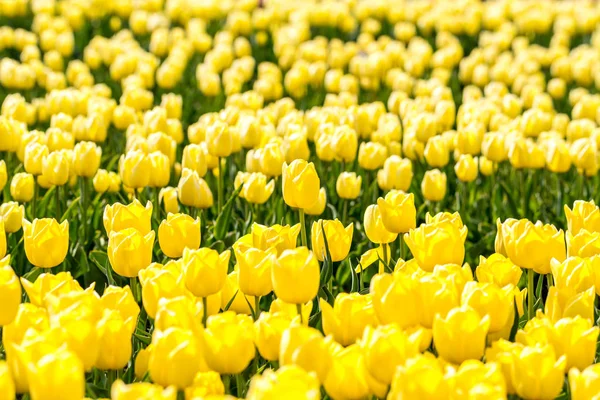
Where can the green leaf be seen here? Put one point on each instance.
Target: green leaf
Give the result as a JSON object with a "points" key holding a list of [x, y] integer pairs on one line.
{"points": [[355, 282], [327, 270], [100, 258], [224, 218], [74, 204], [230, 302], [511, 200]]}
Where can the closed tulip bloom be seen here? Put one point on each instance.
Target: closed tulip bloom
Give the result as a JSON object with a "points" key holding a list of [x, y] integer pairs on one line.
{"points": [[160, 170], [263, 237], [101, 181], [300, 184], [474, 378], [584, 215], [57, 375], [348, 185], [10, 292], [584, 244], [232, 295], [396, 174], [574, 273], [141, 390], [56, 167], [115, 340], [385, 347], [289, 380], [118, 217], [296, 276], [371, 155], [256, 190], [584, 384], [339, 239], [433, 185], [12, 214], [141, 362], [421, 377], [532, 246], [584, 154], [168, 197], [183, 312], [375, 228], [228, 342], [461, 335], [466, 168], [499, 270], [48, 283], [564, 303], [219, 139], [319, 206], [129, 251], [7, 386], [163, 143], [120, 299], [254, 271], [393, 291], [295, 146], [159, 284], [435, 296], [558, 158], [348, 377], [3, 174], [489, 299], [291, 310], [268, 329], [307, 348], [134, 169], [194, 158], [537, 373], [205, 270], [34, 158], [175, 358], [21, 187], [437, 244], [2, 239], [398, 212], [493, 147], [345, 143], [436, 152], [193, 190], [46, 242], [271, 159], [87, 159], [348, 318], [178, 232]]}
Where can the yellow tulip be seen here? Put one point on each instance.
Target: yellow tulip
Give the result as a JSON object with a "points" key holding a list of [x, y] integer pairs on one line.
{"points": [[205, 270], [296, 276], [219, 139], [194, 158], [263, 237], [12, 214], [563, 303], [120, 299], [396, 174], [585, 215], [46, 242], [178, 232], [436, 152], [86, 160], [584, 384], [118, 217], [175, 358], [133, 169], [533, 246], [466, 168], [374, 226], [271, 159], [255, 267], [574, 274], [286, 381], [168, 197], [348, 185], [256, 190], [268, 329], [421, 377], [584, 244], [160, 170], [474, 378], [371, 155], [10, 295], [461, 335], [115, 340], [157, 284], [207, 384], [348, 318], [536, 373], [7, 386], [141, 390], [193, 191], [228, 342], [34, 158], [489, 299], [499, 270], [433, 185], [398, 212], [58, 374], [300, 184], [339, 239], [307, 348], [435, 296], [129, 251], [390, 292], [21, 187], [291, 310]]}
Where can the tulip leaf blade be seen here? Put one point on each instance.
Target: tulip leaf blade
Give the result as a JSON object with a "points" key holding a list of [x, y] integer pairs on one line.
{"points": [[224, 218], [511, 200], [355, 283], [327, 271], [230, 302], [100, 258]]}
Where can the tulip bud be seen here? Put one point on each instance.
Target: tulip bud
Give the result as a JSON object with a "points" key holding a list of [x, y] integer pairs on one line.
{"points": [[193, 190], [118, 217], [256, 190], [133, 169], [499, 270], [430, 244], [396, 174], [271, 159], [21, 187], [219, 139], [433, 185], [374, 227], [205, 270], [56, 168], [268, 329], [115, 340], [585, 215], [319, 206], [120, 299], [229, 342], [177, 232], [254, 271], [168, 197], [584, 384], [159, 283], [371, 155], [348, 185], [436, 152], [541, 382], [141, 390], [87, 159], [10, 293], [466, 168], [3, 174], [101, 181], [129, 251], [35, 153], [12, 214], [46, 242], [305, 347], [288, 378], [57, 374], [194, 158], [398, 212], [348, 318], [7, 386], [296, 276], [160, 170], [300, 184], [339, 239]]}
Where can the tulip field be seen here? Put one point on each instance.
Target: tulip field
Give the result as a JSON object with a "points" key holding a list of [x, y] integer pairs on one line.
{"points": [[312, 199]]}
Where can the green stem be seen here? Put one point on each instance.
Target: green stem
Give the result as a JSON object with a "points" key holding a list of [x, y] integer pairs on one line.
{"points": [[205, 315], [344, 210], [240, 383], [530, 295], [256, 307], [384, 246], [550, 279], [34, 201], [57, 201], [523, 194], [156, 207], [303, 228], [401, 247], [83, 204], [299, 309], [133, 282], [220, 187], [226, 383], [111, 377], [493, 205]]}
